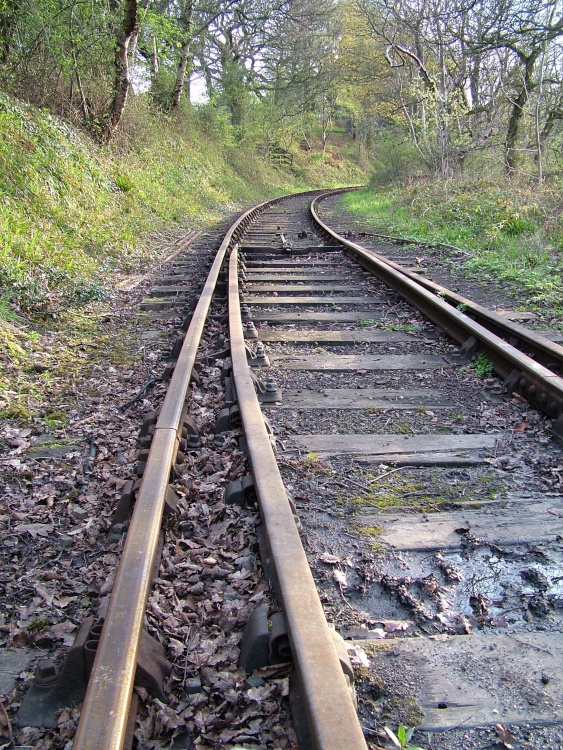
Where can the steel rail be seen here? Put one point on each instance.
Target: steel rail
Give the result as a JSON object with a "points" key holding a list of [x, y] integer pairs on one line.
{"points": [[331, 716], [543, 350], [538, 383], [104, 717]]}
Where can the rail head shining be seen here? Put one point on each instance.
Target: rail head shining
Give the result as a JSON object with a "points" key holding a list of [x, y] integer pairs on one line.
{"points": [[505, 357], [331, 716], [104, 716]]}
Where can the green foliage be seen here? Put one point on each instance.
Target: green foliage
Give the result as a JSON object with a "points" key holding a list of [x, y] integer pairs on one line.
{"points": [[513, 231], [402, 738], [60, 55], [72, 215], [124, 183], [483, 366], [214, 122], [311, 458], [395, 161]]}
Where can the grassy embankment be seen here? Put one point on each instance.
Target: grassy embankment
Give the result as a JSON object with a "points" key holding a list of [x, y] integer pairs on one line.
{"points": [[75, 217], [513, 232]]}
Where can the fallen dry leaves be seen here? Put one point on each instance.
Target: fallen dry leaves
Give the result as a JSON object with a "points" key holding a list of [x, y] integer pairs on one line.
{"points": [[57, 564]]}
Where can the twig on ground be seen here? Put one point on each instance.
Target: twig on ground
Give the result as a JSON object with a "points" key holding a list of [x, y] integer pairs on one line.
{"points": [[8, 723], [136, 398]]}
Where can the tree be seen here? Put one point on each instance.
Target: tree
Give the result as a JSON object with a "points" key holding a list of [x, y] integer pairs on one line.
{"points": [[421, 49], [465, 69], [300, 67], [122, 80]]}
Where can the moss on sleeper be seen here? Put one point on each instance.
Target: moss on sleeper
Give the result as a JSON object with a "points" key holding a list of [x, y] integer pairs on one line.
{"points": [[433, 493]]}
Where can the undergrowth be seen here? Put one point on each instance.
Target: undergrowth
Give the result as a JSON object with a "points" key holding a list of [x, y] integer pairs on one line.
{"points": [[512, 231], [72, 214], [75, 217]]}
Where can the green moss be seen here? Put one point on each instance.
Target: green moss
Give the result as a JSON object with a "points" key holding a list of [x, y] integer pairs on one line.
{"points": [[16, 410], [378, 549], [486, 478], [369, 530], [48, 444], [55, 417], [372, 648], [407, 708], [432, 494], [36, 626]]}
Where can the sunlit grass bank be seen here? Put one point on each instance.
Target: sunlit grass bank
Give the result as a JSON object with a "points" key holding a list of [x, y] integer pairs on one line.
{"points": [[513, 233]]}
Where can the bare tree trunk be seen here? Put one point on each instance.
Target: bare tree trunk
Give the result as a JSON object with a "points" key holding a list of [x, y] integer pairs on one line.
{"points": [[143, 5], [326, 122], [518, 104], [121, 81], [155, 65], [83, 100], [552, 117], [8, 16], [184, 58], [180, 76], [442, 108]]}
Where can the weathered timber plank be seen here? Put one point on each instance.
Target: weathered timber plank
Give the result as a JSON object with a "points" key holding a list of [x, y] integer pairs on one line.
{"points": [[12, 663], [478, 680], [326, 362], [519, 523], [446, 458], [334, 445], [294, 316], [177, 280], [170, 291], [517, 315], [160, 303], [361, 335], [300, 288], [296, 250], [277, 301], [283, 276], [364, 398], [264, 266]]}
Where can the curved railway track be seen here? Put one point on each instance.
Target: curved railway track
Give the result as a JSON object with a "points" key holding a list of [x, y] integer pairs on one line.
{"points": [[415, 486]]}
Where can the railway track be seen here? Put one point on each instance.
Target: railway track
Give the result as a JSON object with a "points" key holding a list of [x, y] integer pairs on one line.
{"points": [[418, 502]]}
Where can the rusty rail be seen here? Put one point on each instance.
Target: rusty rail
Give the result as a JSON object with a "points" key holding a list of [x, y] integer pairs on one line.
{"points": [[539, 384], [103, 721], [543, 350], [331, 716], [104, 718]]}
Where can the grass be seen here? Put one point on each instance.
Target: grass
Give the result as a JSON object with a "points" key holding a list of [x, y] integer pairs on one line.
{"points": [[512, 232], [402, 737], [432, 494], [483, 366], [75, 218], [72, 214]]}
